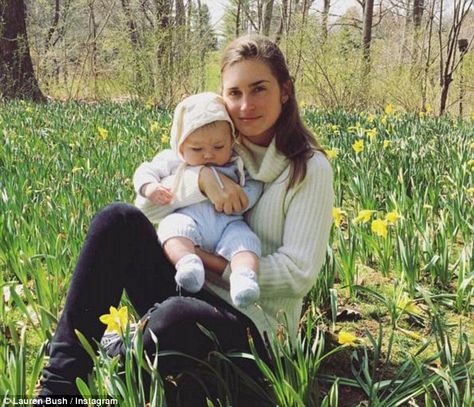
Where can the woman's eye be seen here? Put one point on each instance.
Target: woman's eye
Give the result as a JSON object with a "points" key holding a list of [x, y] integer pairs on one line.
{"points": [[259, 89], [233, 93]]}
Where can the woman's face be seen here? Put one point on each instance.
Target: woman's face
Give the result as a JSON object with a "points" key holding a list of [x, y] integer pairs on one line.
{"points": [[254, 99]]}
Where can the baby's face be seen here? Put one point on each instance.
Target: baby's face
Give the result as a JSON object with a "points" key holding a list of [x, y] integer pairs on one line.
{"points": [[208, 145]]}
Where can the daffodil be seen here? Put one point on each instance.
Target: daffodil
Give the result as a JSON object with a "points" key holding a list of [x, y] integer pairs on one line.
{"points": [[346, 338], [470, 191], [154, 126], [388, 109], [408, 305], [331, 153], [379, 227], [103, 133], [421, 115], [164, 139], [116, 321], [335, 128], [370, 118], [302, 104], [386, 144], [428, 108], [338, 214], [371, 134], [392, 217], [357, 128], [358, 146], [470, 163], [364, 216]]}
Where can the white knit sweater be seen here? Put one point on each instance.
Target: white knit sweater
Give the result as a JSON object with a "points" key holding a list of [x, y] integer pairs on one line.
{"points": [[293, 227]]}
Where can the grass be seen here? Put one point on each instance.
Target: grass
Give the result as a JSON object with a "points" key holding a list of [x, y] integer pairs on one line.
{"points": [[404, 289]]}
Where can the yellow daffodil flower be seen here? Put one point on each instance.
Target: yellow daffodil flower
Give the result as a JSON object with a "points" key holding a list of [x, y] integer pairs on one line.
{"points": [[371, 134], [358, 146], [346, 338], [103, 133], [379, 227], [116, 321], [386, 144], [388, 109], [334, 128], [421, 115], [364, 216], [154, 126], [164, 139], [428, 108], [302, 104], [370, 118], [357, 128], [470, 191], [407, 304], [392, 217], [338, 214], [331, 153]]}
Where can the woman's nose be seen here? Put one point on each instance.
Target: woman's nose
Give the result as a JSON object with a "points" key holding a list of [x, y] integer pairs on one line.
{"points": [[246, 103]]}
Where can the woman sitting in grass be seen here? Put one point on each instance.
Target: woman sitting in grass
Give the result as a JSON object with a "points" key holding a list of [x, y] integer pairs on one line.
{"points": [[292, 218]]}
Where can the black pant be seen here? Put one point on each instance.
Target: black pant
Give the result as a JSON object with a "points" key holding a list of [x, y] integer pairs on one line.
{"points": [[121, 251]]}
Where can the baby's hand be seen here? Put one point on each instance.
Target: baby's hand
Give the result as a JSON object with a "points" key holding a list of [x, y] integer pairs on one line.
{"points": [[157, 193]]}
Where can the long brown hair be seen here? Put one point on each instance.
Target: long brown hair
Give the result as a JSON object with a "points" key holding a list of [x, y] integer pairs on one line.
{"points": [[292, 138]]}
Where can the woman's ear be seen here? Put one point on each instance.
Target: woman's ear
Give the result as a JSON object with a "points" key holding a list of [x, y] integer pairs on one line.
{"points": [[285, 92]]}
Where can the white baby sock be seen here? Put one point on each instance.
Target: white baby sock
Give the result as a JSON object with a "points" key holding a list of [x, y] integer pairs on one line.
{"points": [[244, 289], [190, 273]]}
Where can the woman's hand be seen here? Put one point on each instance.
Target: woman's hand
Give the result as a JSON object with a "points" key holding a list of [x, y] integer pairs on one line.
{"points": [[231, 199], [212, 262]]}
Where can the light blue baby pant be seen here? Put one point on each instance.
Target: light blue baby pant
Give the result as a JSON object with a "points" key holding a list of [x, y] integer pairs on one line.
{"points": [[214, 232]]}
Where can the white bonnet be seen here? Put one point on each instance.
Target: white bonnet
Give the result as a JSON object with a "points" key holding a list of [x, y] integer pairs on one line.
{"points": [[196, 111]]}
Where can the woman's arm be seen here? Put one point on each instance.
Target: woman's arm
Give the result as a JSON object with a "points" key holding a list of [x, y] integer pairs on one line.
{"points": [[197, 184], [292, 269], [212, 262]]}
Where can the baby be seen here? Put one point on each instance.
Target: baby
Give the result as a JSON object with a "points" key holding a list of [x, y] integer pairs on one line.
{"points": [[203, 134]]}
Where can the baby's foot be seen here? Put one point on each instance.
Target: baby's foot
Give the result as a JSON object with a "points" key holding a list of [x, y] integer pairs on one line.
{"points": [[190, 273], [244, 289]]}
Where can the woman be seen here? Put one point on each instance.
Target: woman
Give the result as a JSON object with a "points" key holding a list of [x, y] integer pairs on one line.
{"points": [[292, 219]]}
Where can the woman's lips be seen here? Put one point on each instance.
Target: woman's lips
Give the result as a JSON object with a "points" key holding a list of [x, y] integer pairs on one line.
{"points": [[248, 119]]}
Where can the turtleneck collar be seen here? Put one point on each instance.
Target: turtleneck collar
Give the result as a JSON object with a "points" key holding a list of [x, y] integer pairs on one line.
{"points": [[262, 163]]}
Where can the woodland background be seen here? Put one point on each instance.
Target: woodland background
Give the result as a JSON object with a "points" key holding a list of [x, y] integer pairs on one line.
{"points": [[415, 54]]}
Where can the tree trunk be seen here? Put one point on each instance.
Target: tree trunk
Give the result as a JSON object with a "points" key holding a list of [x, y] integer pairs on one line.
{"points": [[237, 18], [418, 6], [367, 29], [326, 7], [17, 77], [283, 20], [267, 17], [180, 13]]}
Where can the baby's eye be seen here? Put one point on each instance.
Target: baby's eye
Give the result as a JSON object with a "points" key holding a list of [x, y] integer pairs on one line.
{"points": [[196, 149], [218, 147]]}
